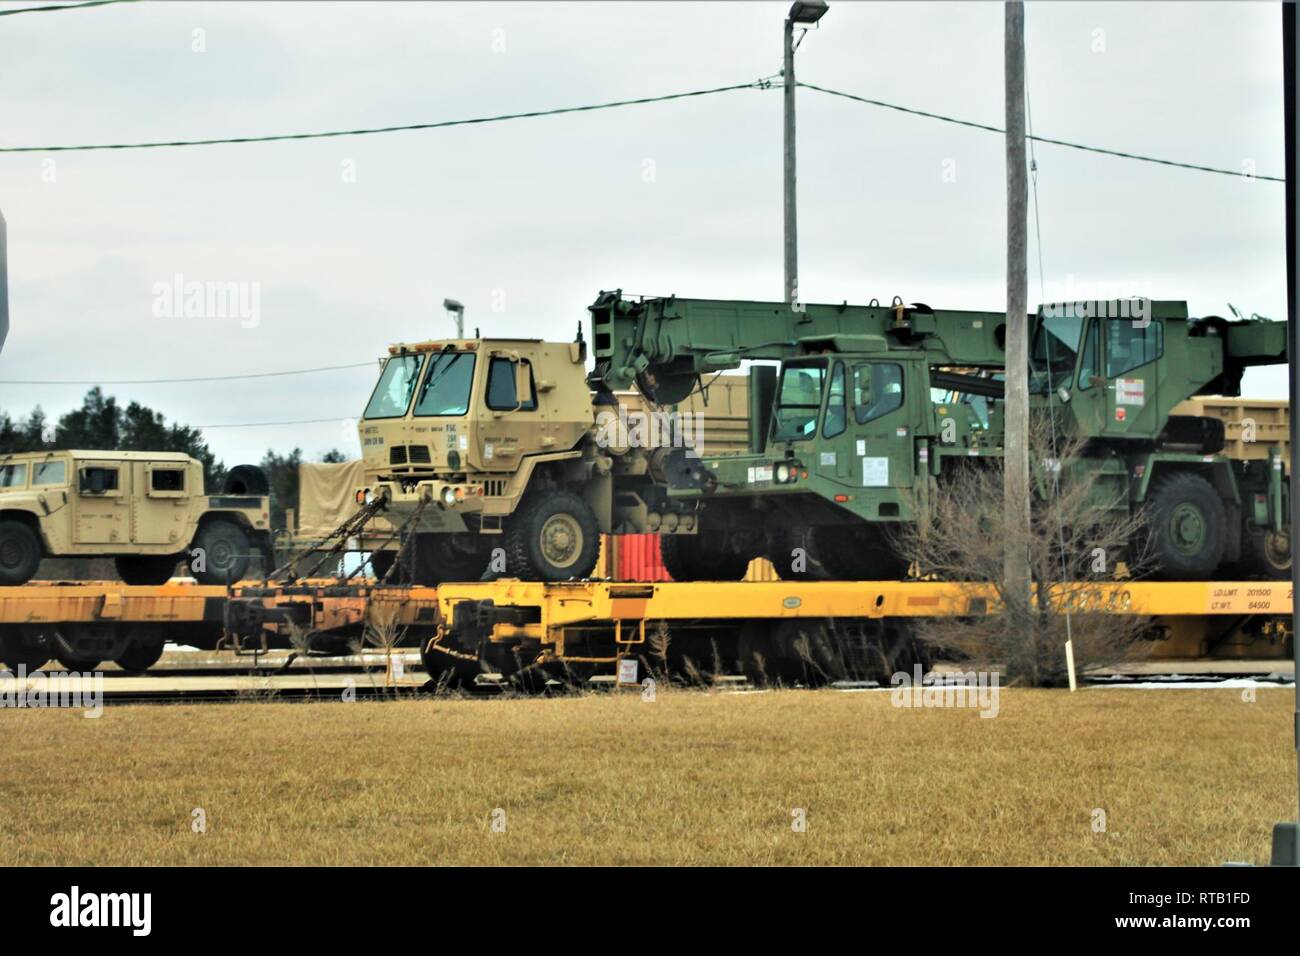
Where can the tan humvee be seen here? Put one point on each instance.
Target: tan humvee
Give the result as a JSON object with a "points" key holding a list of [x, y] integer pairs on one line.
{"points": [[511, 465], [145, 509]]}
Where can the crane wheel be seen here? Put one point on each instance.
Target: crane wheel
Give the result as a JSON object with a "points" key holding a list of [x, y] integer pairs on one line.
{"points": [[701, 557], [1187, 528]]}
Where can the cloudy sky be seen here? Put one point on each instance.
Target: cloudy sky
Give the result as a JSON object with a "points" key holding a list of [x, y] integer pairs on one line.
{"points": [[352, 243]]}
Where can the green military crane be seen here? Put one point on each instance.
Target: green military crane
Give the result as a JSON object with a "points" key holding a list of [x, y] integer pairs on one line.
{"points": [[872, 406]]}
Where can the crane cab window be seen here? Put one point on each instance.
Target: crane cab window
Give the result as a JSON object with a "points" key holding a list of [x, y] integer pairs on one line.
{"points": [[877, 390], [799, 401], [1130, 345], [836, 413], [501, 395]]}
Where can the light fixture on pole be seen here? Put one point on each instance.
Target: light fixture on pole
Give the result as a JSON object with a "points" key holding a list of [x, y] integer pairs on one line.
{"points": [[458, 313], [803, 13]]}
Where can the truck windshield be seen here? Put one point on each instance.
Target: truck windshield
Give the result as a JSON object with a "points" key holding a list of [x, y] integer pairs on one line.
{"points": [[798, 401], [446, 387], [1054, 350], [396, 383]]}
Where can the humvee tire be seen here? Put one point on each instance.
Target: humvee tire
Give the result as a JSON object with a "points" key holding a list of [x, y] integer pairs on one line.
{"points": [[226, 552], [1188, 528], [553, 537], [20, 553], [146, 568], [700, 557]]}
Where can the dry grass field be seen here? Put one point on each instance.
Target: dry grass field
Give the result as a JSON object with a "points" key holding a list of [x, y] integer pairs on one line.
{"points": [[1183, 776]]}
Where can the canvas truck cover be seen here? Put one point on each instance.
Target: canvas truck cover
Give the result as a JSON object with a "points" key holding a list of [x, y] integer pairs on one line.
{"points": [[326, 495]]}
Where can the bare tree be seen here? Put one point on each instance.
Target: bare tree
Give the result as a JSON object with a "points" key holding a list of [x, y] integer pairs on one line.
{"points": [[1081, 534]]}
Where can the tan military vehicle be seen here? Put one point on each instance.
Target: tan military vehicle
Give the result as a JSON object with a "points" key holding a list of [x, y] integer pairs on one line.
{"points": [[147, 510], [494, 455]]}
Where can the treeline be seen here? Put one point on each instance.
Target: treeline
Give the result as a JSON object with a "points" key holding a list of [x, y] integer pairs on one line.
{"points": [[101, 423]]}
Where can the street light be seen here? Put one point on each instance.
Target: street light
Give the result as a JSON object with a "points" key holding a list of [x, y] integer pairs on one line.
{"points": [[804, 13], [458, 313]]}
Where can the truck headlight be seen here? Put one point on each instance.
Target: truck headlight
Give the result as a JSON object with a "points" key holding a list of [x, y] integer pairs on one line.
{"points": [[449, 496]]}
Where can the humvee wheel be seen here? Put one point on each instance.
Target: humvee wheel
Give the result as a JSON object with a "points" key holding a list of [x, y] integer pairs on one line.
{"points": [[226, 552], [20, 553], [146, 568], [1188, 528], [1269, 553], [141, 654], [554, 537], [701, 557]]}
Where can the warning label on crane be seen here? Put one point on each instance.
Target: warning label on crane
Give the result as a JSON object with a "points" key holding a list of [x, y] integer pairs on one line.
{"points": [[1130, 391]]}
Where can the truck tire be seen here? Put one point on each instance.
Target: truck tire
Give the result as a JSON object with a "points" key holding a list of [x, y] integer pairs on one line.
{"points": [[1187, 528], [381, 562], [862, 553], [1268, 553], [701, 557], [146, 568], [20, 553], [23, 644], [226, 552], [553, 537], [440, 558]]}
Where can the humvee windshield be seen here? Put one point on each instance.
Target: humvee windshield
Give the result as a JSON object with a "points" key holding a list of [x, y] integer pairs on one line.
{"points": [[13, 476], [799, 399], [446, 386], [396, 383]]}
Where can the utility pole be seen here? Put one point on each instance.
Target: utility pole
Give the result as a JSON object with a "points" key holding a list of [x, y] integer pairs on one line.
{"points": [[1286, 836], [1016, 452], [806, 13]]}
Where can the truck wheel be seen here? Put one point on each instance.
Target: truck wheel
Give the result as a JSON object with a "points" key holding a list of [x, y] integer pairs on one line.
{"points": [[1187, 528], [79, 664], [141, 654], [226, 552], [146, 568], [701, 557], [554, 537], [20, 553], [23, 644], [381, 562], [861, 553], [439, 558], [1269, 553]]}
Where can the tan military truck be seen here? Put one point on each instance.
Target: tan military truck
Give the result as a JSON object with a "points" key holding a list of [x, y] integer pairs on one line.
{"points": [[147, 510], [497, 457]]}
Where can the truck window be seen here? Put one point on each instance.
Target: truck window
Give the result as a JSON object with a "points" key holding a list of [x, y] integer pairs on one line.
{"points": [[877, 390], [1130, 345], [1088, 367], [799, 400], [396, 383], [1055, 348], [50, 473], [446, 385], [836, 414], [501, 387], [13, 476], [97, 481], [167, 479]]}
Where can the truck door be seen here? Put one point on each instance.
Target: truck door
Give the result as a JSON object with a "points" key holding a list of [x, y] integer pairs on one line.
{"points": [[160, 504], [509, 427], [1130, 349], [102, 502], [881, 427]]}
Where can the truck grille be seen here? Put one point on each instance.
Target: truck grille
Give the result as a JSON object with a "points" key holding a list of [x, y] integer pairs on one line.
{"points": [[415, 454], [419, 454]]}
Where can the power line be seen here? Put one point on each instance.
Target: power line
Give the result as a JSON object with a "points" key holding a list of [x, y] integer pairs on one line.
{"points": [[1042, 139], [301, 421], [62, 6], [443, 124], [177, 381]]}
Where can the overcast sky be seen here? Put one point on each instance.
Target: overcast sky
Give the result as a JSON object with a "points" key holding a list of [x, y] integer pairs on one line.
{"points": [[526, 221]]}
